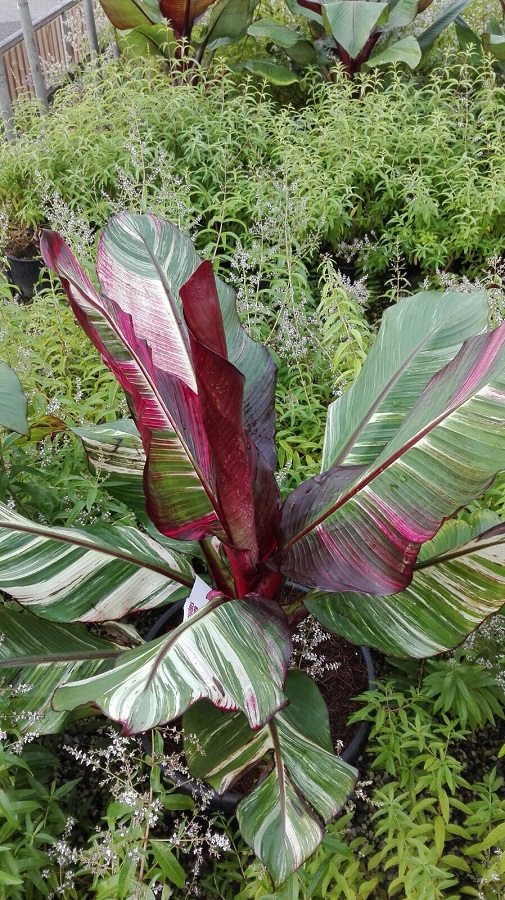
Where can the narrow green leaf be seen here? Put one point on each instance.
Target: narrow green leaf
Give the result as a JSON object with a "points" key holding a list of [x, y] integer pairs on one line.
{"points": [[168, 863], [13, 403], [446, 17]]}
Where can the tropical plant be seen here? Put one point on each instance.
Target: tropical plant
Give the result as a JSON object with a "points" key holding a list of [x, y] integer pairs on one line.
{"points": [[355, 33], [491, 41], [164, 28], [417, 436]]}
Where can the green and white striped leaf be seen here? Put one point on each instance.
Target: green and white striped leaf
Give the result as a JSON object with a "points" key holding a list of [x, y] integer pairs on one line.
{"points": [[141, 258], [351, 22], [432, 327], [282, 818], [405, 51], [87, 574], [232, 652], [13, 404], [116, 448], [458, 582], [36, 657]]}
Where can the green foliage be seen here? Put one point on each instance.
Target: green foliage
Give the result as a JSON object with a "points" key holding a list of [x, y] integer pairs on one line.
{"points": [[430, 832], [415, 168], [46, 475]]}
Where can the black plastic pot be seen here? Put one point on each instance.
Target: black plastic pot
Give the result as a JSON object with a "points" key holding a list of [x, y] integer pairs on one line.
{"points": [[24, 274], [227, 803]]}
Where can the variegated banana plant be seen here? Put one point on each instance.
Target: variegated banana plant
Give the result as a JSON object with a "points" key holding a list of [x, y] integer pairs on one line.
{"points": [[357, 33], [419, 435], [164, 28]]}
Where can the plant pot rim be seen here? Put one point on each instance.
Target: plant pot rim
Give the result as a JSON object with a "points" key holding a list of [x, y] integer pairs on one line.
{"points": [[227, 803]]}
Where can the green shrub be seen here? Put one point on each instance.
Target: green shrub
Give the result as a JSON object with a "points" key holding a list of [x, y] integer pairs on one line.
{"points": [[411, 168]]}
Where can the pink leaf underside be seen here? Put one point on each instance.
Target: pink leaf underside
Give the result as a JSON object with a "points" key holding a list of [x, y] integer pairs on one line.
{"points": [[357, 528], [221, 394], [167, 410], [252, 487], [202, 310]]}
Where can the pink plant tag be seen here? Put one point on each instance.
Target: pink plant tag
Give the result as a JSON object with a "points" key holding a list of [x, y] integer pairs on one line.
{"points": [[196, 599]]}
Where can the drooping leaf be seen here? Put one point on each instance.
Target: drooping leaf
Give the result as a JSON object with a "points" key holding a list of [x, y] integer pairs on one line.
{"points": [[458, 581], [115, 449], [148, 40], [87, 574], [232, 652], [31, 641], [274, 31], [311, 9], [303, 53], [361, 528], [130, 13], [13, 403], [446, 17], [406, 51], [433, 327], [283, 817], [351, 22], [37, 656], [468, 40], [268, 70]]}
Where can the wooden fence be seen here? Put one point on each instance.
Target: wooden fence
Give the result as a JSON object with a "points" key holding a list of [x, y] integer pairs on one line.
{"points": [[37, 59], [61, 42]]}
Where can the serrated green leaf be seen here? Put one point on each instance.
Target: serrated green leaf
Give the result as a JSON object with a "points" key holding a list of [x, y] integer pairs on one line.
{"points": [[168, 863]]}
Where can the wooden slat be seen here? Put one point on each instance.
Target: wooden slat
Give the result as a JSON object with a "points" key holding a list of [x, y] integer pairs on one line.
{"points": [[55, 52]]}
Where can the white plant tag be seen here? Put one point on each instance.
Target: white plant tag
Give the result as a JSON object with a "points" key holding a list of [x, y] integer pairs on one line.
{"points": [[196, 599]]}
